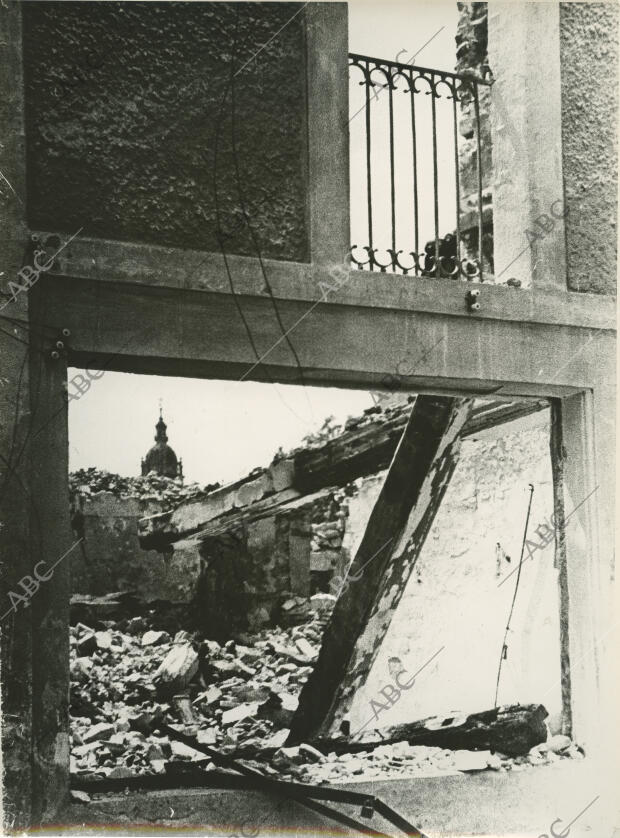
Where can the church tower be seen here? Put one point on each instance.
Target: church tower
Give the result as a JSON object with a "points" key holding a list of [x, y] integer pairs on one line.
{"points": [[161, 458]]}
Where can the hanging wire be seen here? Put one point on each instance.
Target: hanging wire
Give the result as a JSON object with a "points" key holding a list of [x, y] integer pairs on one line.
{"points": [[504, 651]]}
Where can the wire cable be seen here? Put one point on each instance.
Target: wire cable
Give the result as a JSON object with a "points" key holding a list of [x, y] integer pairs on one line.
{"points": [[514, 597]]}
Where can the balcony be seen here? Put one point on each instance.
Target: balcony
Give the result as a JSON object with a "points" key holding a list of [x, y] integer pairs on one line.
{"points": [[420, 171]]}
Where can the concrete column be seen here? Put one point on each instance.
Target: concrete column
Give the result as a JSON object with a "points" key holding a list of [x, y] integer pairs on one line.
{"points": [[16, 500], [526, 130], [593, 623], [53, 542], [328, 133]]}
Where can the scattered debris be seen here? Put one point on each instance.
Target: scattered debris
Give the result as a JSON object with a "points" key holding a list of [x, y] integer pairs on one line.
{"points": [[150, 487], [238, 695], [239, 698]]}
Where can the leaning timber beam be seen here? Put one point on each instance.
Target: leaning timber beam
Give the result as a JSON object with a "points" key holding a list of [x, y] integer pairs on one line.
{"points": [[399, 522]]}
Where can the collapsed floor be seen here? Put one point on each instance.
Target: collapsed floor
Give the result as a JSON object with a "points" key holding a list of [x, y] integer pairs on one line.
{"points": [[239, 698]]}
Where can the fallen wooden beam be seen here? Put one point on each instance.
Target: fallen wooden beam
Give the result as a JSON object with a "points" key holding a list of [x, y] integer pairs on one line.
{"points": [[399, 522], [510, 729]]}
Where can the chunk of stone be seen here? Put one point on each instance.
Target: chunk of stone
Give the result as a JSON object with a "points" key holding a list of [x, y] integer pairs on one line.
{"points": [[322, 602], [84, 750], [120, 773], [225, 668], [278, 739], [155, 638], [558, 743], [284, 757], [87, 644], [236, 714], [154, 752], [103, 639], [207, 736], [288, 701], [305, 648], [210, 696], [311, 754], [181, 751], [99, 731]]}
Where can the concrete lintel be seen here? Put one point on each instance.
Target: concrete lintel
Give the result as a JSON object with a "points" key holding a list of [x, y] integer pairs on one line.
{"points": [[138, 329], [165, 267]]}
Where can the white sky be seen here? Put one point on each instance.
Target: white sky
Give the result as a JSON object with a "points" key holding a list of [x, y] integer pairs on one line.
{"points": [[224, 429], [221, 429]]}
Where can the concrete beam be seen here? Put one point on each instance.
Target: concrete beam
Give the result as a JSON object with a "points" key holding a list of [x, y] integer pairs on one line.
{"points": [[144, 329], [172, 268]]}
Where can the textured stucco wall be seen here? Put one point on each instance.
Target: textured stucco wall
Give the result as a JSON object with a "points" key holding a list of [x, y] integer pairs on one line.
{"points": [[589, 67], [454, 598], [129, 152]]}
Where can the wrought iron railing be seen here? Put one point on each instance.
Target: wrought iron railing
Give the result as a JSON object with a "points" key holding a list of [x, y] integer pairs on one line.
{"points": [[423, 205]]}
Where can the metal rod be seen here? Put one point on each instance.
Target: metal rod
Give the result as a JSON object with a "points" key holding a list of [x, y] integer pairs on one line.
{"points": [[392, 165], [479, 146], [468, 77], [368, 163], [514, 596], [397, 820], [288, 789], [435, 181], [415, 175], [458, 186]]}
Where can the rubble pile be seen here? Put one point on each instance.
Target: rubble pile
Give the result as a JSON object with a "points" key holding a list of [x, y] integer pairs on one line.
{"points": [[151, 487], [238, 695], [400, 760]]}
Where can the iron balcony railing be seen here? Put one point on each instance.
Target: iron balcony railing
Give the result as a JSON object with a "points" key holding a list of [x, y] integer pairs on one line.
{"points": [[423, 205]]}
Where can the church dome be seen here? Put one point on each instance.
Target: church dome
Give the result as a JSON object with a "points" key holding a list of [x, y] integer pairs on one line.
{"points": [[161, 457]]}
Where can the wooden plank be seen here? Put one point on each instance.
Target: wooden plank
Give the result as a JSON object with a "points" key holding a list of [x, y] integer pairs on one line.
{"points": [[396, 530]]}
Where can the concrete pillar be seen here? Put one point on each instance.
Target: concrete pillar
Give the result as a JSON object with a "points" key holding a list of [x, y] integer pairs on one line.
{"points": [[526, 130], [328, 131], [17, 503]]}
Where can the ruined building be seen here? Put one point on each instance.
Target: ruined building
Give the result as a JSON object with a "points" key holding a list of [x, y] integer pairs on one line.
{"points": [[186, 191]]}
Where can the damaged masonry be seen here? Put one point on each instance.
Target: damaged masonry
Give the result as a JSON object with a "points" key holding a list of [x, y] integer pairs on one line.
{"points": [[269, 605], [359, 577]]}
